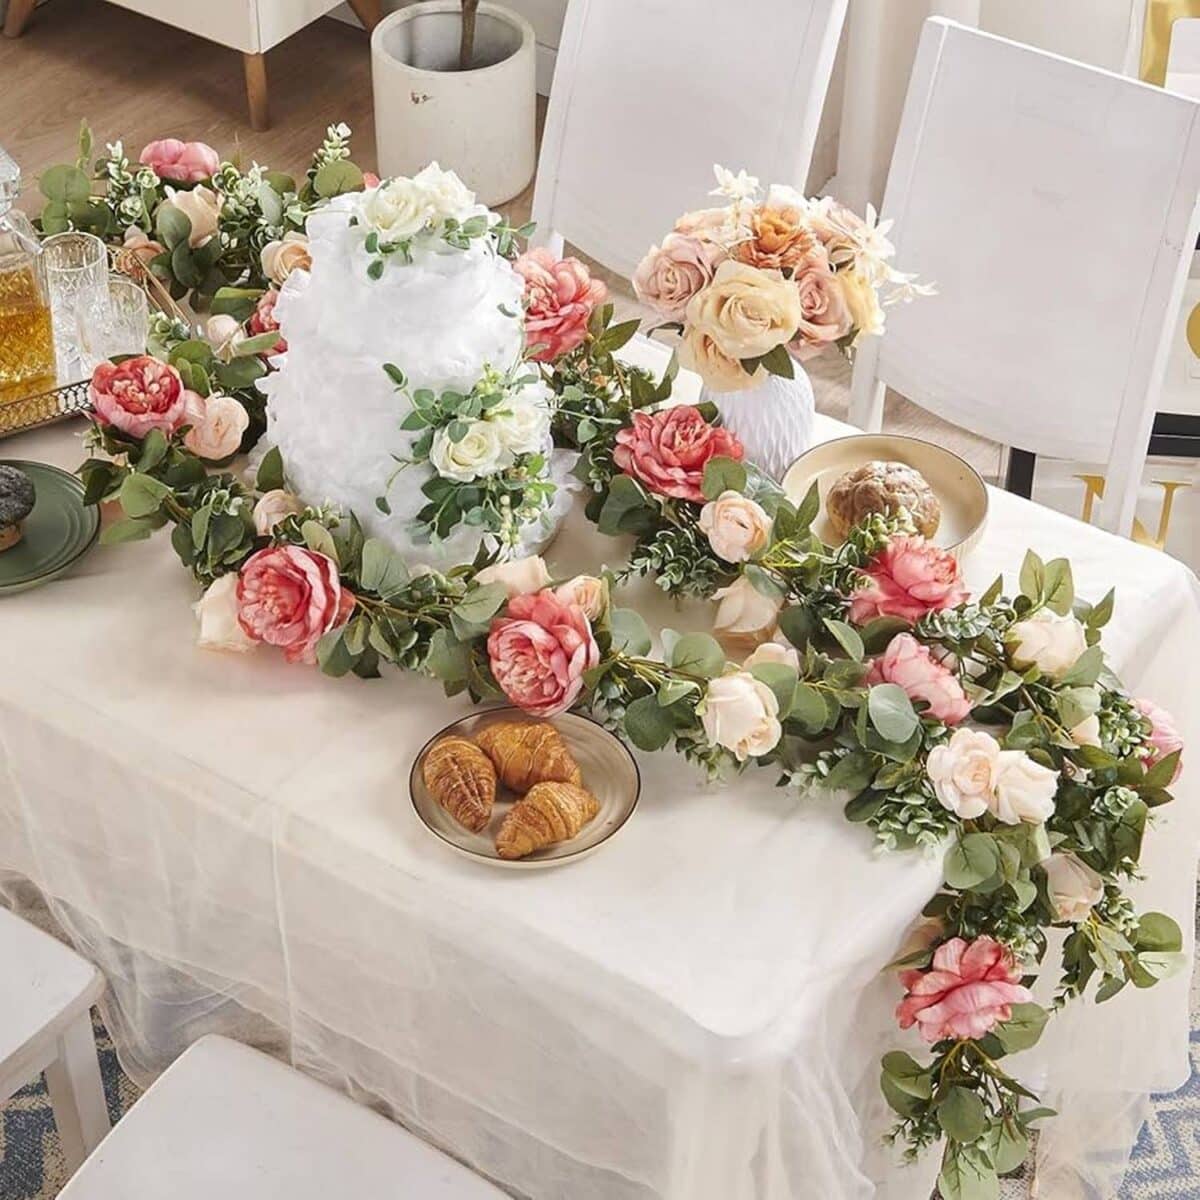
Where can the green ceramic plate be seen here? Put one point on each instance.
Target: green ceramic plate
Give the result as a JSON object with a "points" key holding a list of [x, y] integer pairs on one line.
{"points": [[58, 531]]}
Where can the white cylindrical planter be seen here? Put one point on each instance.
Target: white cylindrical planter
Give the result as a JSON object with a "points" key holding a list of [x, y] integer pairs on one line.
{"points": [[480, 123]]}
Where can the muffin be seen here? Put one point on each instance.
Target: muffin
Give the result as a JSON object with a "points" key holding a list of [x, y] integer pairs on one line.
{"points": [[882, 487], [16, 503]]}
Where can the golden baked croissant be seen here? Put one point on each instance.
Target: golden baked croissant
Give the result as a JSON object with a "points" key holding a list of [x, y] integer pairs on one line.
{"points": [[461, 778], [528, 752], [547, 813]]}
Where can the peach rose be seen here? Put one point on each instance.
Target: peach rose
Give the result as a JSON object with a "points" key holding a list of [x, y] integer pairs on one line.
{"points": [[272, 507], [773, 654], [136, 252], [1073, 887], [968, 990], [712, 224], [825, 316], [588, 591], [217, 424], [538, 652], [138, 395], [281, 258], [963, 772], [217, 612], [290, 597], [559, 298], [518, 576], [741, 714], [671, 274], [747, 312], [744, 612], [181, 162], [202, 207], [862, 303], [907, 578], [720, 373], [912, 667], [1050, 642], [736, 527], [1025, 790], [668, 451], [779, 239], [1164, 738]]}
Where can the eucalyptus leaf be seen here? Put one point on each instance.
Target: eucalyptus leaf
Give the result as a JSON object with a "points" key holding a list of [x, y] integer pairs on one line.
{"points": [[630, 633], [269, 476], [1024, 1028], [698, 654], [971, 860], [891, 712], [847, 637], [961, 1114], [648, 725]]}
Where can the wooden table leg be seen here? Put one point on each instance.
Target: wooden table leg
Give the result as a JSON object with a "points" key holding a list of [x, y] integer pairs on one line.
{"points": [[19, 12], [256, 90], [369, 12]]}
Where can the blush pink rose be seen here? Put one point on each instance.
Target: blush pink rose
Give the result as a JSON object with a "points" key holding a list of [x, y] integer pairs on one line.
{"points": [[968, 990], [668, 451], [559, 298], [263, 320], [1164, 738], [539, 650], [912, 667], [907, 579], [826, 315], [671, 274], [290, 597], [138, 395], [181, 162]]}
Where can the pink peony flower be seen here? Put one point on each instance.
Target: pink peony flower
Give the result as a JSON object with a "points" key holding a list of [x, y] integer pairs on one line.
{"points": [[263, 320], [181, 162], [668, 451], [138, 395], [967, 991], [1164, 738], [911, 666], [907, 578], [539, 651], [559, 298], [289, 596]]}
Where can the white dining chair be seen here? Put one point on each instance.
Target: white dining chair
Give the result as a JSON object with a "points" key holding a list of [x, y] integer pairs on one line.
{"points": [[46, 995], [649, 94], [228, 1121], [1055, 207]]}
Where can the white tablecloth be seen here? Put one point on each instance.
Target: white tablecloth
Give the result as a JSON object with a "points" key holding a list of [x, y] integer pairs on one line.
{"points": [[696, 1013]]}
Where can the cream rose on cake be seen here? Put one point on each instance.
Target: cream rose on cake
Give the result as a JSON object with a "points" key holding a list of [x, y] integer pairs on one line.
{"points": [[479, 452], [398, 208]]}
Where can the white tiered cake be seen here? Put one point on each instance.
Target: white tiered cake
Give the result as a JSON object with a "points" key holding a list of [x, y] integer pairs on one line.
{"points": [[441, 312]]}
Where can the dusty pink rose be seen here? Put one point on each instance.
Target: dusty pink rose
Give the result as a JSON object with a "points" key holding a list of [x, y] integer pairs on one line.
{"points": [[967, 991], [370, 180], [181, 162], [539, 651], [671, 274], [559, 298], [912, 667], [1164, 738], [668, 451], [138, 395], [290, 597], [907, 579], [263, 320], [826, 316]]}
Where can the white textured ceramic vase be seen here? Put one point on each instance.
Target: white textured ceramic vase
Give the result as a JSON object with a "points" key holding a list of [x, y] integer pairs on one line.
{"points": [[773, 419]]}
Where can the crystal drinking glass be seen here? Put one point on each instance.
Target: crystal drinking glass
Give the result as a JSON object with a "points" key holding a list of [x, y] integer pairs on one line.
{"points": [[117, 321], [76, 272]]}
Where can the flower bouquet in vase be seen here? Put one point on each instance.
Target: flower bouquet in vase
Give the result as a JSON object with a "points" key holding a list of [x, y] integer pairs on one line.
{"points": [[757, 287]]}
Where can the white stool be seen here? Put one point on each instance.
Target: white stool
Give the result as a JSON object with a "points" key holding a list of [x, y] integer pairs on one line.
{"points": [[227, 1121], [46, 994]]}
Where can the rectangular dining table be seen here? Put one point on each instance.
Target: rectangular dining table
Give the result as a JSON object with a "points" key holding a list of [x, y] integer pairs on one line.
{"points": [[695, 1012]]}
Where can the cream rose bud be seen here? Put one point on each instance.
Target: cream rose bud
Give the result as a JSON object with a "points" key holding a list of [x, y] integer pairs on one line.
{"points": [[736, 527], [518, 576], [775, 654], [747, 311], [217, 611], [281, 258], [522, 424], [590, 593], [222, 329], [448, 195], [963, 772], [1087, 732], [743, 611], [1074, 888], [480, 452], [272, 507], [398, 208], [1046, 641], [1025, 790], [741, 714], [218, 423], [202, 206]]}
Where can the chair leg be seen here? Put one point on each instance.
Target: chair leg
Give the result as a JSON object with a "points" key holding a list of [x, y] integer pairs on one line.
{"points": [[368, 12], [77, 1093], [255, 66], [19, 12]]}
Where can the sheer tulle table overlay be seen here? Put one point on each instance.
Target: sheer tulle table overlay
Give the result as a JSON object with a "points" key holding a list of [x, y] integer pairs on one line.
{"points": [[697, 1012]]}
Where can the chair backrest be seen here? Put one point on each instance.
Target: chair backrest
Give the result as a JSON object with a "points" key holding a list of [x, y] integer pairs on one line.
{"points": [[648, 94], [1055, 206]]}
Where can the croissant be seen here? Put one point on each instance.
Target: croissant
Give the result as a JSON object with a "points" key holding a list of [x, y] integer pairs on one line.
{"points": [[547, 813], [528, 752], [461, 778]]}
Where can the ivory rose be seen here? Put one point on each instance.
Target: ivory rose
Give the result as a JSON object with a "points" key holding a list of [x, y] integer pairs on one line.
{"points": [[272, 507], [398, 209], [910, 665], [290, 597], [1164, 737], [181, 162], [736, 527], [478, 453], [671, 274], [280, 258], [669, 450], [825, 316], [743, 611], [136, 252], [1025, 789], [1073, 887], [775, 654], [963, 772], [447, 193], [263, 320], [138, 395], [747, 312], [539, 651], [559, 298], [1046, 641], [217, 424], [779, 239], [740, 713], [202, 207], [907, 578], [589, 592], [862, 303], [517, 576], [222, 331], [217, 612], [720, 373], [523, 424], [968, 990]]}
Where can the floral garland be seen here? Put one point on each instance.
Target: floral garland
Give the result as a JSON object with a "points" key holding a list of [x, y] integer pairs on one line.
{"points": [[990, 726]]}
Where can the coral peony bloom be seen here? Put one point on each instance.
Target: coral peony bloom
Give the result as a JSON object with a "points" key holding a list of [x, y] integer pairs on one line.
{"points": [[138, 395], [779, 239], [559, 298], [668, 451], [180, 162], [290, 597], [907, 578], [263, 320], [969, 989], [911, 666], [539, 650], [1164, 738]]}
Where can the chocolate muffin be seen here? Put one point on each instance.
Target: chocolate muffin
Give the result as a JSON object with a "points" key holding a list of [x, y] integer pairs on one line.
{"points": [[882, 487], [17, 497]]}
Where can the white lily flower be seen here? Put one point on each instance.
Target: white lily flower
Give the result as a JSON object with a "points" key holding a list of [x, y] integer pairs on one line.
{"points": [[737, 187]]}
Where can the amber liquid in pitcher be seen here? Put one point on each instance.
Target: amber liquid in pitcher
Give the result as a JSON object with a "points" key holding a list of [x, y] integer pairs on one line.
{"points": [[27, 363]]}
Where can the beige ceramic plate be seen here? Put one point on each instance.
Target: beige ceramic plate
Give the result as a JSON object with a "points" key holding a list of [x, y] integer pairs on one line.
{"points": [[957, 485], [609, 773]]}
